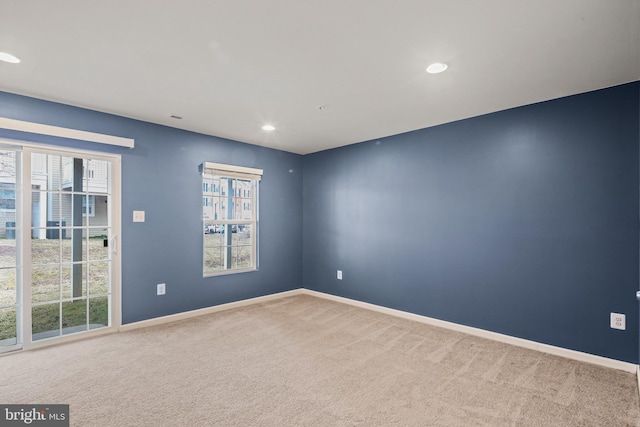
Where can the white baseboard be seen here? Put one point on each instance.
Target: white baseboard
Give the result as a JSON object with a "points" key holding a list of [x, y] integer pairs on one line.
{"points": [[207, 310], [545, 348]]}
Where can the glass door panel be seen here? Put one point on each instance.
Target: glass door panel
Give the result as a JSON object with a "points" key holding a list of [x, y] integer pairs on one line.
{"points": [[71, 260]]}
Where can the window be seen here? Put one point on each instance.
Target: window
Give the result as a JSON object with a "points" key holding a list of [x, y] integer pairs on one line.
{"points": [[230, 218]]}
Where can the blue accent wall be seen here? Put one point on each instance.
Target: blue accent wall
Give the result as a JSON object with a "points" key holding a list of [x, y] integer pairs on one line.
{"points": [[522, 222], [160, 176]]}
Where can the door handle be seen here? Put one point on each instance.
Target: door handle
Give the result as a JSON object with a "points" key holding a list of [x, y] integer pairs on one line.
{"points": [[638, 295]]}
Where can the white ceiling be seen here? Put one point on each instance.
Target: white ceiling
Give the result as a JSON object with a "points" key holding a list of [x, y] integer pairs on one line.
{"points": [[228, 67]]}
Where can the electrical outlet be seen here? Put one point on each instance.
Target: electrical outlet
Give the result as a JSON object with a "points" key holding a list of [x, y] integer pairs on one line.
{"points": [[339, 274], [161, 289], [618, 321], [138, 216]]}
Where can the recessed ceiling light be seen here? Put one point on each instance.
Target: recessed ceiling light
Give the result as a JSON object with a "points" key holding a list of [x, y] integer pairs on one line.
{"points": [[268, 127], [436, 67], [7, 57]]}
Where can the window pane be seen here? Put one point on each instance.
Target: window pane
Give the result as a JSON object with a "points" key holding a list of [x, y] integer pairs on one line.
{"points": [[45, 283], [8, 171], [8, 251], [242, 255], [212, 253], [222, 212], [74, 280], [245, 187], [98, 278], [217, 208], [236, 206], [98, 312], [45, 321], [225, 183], [46, 209], [243, 235], [46, 251], [56, 218], [89, 204], [247, 210], [65, 280], [69, 166], [8, 287], [97, 249], [207, 208], [74, 240], [95, 176], [98, 212], [8, 326], [74, 316], [7, 196], [45, 171]]}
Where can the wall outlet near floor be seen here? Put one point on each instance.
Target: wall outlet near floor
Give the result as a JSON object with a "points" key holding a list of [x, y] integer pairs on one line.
{"points": [[618, 321], [161, 288], [339, 274]]}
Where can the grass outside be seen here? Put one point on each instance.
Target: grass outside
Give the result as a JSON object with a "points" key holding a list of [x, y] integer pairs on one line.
{"points": [[53, 283], [74, 313], [215, 249]]}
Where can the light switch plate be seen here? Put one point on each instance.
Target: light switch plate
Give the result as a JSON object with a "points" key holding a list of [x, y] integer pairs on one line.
{"points": [[138, 216]]}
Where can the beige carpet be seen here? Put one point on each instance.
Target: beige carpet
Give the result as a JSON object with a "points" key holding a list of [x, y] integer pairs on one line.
{"points": [[305, 361]]}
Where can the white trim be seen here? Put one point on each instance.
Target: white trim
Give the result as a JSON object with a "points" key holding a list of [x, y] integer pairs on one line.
{"points": [[25, 254], [41, 129], [210, 166], [61, 339], [532, 345], [19, 145], [638, 376], [207, 310], [53, 341], [115, 180]]}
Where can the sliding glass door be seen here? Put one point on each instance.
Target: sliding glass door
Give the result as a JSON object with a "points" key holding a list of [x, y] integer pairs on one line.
{"points": [[58, 255]]}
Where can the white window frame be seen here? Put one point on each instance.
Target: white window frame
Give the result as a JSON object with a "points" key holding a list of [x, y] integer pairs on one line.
{"points": [[212, 172]]}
